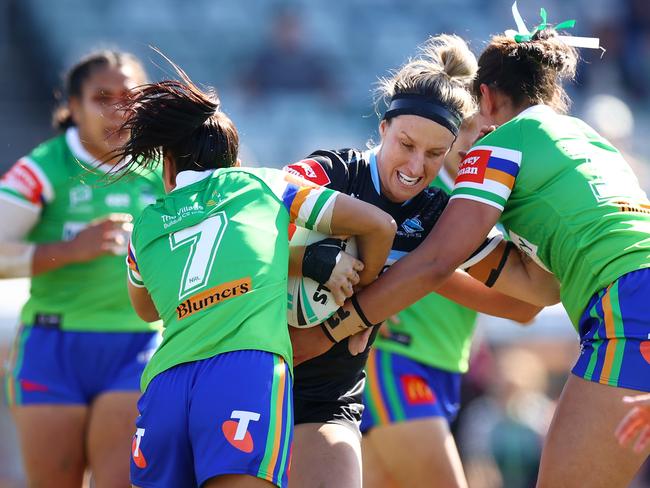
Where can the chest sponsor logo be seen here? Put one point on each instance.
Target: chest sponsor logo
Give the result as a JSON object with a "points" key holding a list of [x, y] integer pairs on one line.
{"points": [[181, 213], [236, 431], [311, 170], [472, 168], [416, 390], [136, 451], [22, 180], [79, 195], [118, 200], [412, 226], [213, 296]]}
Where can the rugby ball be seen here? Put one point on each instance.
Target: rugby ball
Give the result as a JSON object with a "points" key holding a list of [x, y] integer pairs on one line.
{"points": [[310, 303]]}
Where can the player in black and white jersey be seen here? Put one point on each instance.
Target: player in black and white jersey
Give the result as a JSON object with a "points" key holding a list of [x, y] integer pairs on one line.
{"points": [[429, 101]]}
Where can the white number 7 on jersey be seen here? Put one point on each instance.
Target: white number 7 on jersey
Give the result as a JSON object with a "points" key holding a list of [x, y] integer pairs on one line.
{"points": [[204, 240]]}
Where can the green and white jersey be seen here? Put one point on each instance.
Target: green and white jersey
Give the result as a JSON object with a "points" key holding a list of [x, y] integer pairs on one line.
{"points": [[214, 255], [61, 186], [569, 200], [434, 331]]}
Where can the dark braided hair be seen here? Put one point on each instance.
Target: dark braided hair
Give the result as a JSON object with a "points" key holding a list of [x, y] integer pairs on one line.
{"points": [[177, 119], [528, 72]]}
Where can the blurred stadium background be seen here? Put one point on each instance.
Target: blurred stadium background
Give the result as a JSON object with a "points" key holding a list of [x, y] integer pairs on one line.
{"points": [[298, 75]]}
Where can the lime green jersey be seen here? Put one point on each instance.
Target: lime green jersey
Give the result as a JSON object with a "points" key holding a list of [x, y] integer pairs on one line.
{"points": [[569, 200], [434, 331], [214, 253], [66, 190]]}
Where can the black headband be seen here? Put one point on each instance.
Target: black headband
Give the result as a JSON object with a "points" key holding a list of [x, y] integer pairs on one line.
{"points": [[429, 108]]}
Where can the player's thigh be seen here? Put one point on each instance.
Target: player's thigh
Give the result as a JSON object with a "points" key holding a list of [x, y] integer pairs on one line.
{"points": [[581, 449], [325, 455], [237, 481], [375, 474], [432, 455], [52, 443], [111, 425]]}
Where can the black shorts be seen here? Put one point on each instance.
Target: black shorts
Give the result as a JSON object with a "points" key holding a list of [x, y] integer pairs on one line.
{"points": [[346, 409], [329, 388]]}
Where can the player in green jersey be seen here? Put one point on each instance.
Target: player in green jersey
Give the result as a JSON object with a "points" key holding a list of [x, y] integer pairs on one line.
{"points": [[73, 377], [568, 199], [211, 259]]}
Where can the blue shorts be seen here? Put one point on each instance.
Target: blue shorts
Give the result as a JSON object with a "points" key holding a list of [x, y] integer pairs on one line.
{"points": [[400, 389], [228, 414], [50, 365], [615, 334]]}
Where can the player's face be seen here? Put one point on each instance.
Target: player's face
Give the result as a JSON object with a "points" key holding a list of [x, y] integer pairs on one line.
{"points": [[95, 110], [411, 154]]}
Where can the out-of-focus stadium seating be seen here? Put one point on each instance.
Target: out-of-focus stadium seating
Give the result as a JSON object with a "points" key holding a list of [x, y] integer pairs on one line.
{"points": [[215, 41]]}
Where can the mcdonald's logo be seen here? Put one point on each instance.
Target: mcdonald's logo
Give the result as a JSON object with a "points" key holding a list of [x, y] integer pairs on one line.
{"points": [[416, 390]]}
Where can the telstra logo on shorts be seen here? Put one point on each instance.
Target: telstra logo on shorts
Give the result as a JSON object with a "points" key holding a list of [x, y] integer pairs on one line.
{"points": [[236, 431], [136, 452]]}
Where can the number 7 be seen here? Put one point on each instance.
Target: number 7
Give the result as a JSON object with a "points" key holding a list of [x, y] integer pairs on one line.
{"points": [[204, 239]]}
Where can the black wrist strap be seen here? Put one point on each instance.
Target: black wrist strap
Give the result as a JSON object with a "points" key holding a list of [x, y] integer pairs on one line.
{"points": [[495, 273], [362, 316], [320, 259]]}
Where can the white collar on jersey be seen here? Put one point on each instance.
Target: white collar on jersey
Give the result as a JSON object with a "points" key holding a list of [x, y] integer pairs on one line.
{"points": [[371, 157], [536, 109], [188, 177], [80, 152]]}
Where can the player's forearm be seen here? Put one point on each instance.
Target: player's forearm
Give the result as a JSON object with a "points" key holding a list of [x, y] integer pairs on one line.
{"points": [[52, 256], [523, 279], [374, 230], [15, 253], [142, 303], [296, 255], [16, 259], [399, 287], [469, 292], [407, 281], [374, 248]]}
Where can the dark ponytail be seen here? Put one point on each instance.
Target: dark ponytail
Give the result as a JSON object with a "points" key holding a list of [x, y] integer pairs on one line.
{"points": [[528, 72], [177, 119], [80, 72]]}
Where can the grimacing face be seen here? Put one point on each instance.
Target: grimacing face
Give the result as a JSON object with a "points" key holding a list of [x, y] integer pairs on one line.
{"points": [[411, 154], [95, 111]]}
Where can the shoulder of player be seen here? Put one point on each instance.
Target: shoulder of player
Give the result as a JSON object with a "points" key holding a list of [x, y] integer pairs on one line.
{"points": [[331, 162], [272, 181], [37, 175], [504, 143], [52, 157]]}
